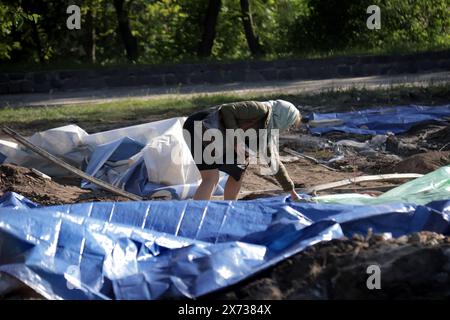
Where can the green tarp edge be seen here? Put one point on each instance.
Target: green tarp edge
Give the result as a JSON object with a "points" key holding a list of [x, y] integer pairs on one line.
{"points": [[433, 186]]}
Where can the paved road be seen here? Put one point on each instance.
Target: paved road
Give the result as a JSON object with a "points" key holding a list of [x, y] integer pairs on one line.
{"points": [[144, 93]]}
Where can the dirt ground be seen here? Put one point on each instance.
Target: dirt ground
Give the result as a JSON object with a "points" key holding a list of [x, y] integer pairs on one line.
{"points": [[422, 150], [423, 155], [417, 266], [44, 191], [411, 267]]}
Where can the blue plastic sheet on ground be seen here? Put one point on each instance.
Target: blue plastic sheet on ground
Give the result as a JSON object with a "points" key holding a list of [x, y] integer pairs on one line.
{"points": [[105, 155], [173, 249], [381, 120], [16, 201]]}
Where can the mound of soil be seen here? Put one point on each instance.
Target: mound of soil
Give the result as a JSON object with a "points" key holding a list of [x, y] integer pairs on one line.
{"points": [[397, 146], [44, 191], [36, 188], [440, 138], [423, 162], [382, 163], [13, 289], [414, 266]]}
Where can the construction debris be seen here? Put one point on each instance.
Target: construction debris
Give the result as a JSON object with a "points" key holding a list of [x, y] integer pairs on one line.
{"points": [[349, 181]]}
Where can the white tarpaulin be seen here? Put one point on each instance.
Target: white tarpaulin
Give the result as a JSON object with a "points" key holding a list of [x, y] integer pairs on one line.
{"points": [[141, 158]]}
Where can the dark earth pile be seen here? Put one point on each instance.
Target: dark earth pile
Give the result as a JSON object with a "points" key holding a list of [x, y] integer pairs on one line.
{"points": [[45, 191], [440, 138], [423, 162], [411, 267]]}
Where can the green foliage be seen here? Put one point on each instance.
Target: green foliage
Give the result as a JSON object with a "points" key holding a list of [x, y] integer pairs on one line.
{"points": [[333, 25], [11, 19], [230, 41], [169, 31]]}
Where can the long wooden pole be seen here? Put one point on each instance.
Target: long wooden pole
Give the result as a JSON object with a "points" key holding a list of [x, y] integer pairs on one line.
{"points": [[345, 182], [109, 187], [304, 156]]}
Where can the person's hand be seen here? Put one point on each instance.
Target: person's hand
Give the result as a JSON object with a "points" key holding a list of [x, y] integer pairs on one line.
{"points": [[295, 196]]}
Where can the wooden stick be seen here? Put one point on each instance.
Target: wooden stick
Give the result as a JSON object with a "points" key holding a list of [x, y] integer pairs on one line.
{"points": [[332, 185], [359, 189], [301, 155], [109, 187], [348, 181], [325, 123]]}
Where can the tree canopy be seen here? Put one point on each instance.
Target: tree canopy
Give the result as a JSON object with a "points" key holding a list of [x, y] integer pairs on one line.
{"points": [[171, 31]]}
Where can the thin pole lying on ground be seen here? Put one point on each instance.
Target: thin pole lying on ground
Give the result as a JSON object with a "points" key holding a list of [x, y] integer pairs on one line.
{"points": [[304, 156], [109, 187], [349, 181]]}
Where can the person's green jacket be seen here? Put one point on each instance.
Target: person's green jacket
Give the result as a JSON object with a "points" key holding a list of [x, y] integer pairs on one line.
{"points": [[253, 114]]}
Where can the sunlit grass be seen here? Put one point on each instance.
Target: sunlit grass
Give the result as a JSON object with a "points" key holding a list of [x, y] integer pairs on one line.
{"points": [[138, 109]]}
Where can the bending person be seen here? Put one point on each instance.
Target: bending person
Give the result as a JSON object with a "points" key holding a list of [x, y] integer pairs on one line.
{"points": [[245, 115]]}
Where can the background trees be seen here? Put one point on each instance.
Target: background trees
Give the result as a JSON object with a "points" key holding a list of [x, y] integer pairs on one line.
{"points": [[165, 31], [334, 25]]}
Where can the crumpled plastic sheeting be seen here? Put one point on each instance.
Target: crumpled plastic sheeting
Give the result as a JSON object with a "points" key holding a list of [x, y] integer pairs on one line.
{"points": [[381, 120], [116, 156], [65, 142], [122, 163], [110, 160], [175, 249], [135, 181]]}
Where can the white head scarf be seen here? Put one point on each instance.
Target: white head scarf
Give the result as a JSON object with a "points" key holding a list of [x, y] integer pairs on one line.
{"points": [[282, 116]]}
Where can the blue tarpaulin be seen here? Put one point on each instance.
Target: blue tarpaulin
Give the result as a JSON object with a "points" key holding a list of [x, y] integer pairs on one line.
{"points": [[173, 249], [16, 201], [109, 153], [380, 120]]}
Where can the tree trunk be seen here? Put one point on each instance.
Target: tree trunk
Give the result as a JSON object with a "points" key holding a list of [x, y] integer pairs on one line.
{"points": [[31, 7], [209, 28], [129, 41], [91, 38], [37, 41], [252, 39]]}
